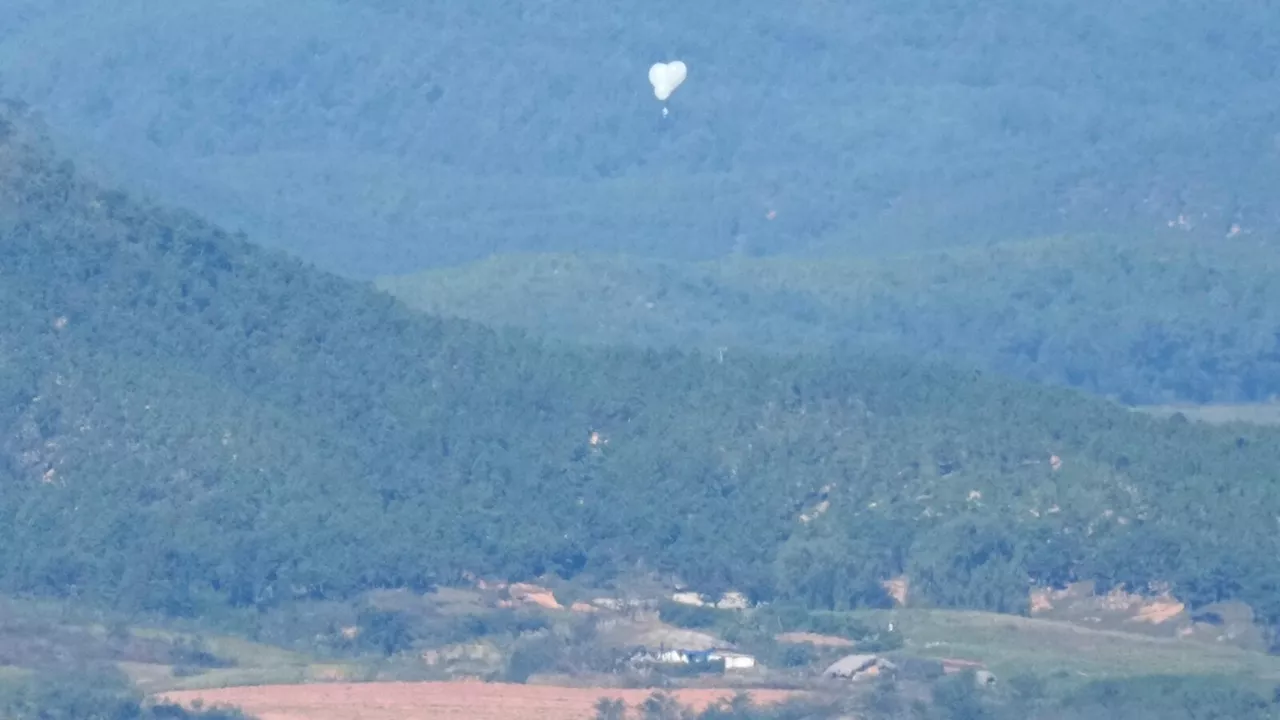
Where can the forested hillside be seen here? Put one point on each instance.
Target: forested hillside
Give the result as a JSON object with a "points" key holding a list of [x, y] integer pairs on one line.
{"points": [[1146, 320], [189, 421], [377, 136]]}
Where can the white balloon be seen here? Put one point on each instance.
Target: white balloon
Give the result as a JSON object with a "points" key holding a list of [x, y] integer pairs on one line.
{"points": [[666, 77]]}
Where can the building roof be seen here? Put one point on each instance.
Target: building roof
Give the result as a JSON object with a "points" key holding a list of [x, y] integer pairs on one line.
{"points": [[850, 665]]}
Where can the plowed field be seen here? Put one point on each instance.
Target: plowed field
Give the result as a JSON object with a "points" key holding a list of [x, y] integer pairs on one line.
{"points": [[422, 700]]}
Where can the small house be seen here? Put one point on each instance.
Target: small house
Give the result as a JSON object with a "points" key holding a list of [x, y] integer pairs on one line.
{"points": [[674, 656], [733, 600], [732, 660], [688, 598]]}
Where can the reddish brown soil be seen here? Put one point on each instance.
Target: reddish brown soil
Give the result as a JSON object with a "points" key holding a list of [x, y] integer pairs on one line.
{"points": [[422, 700]]}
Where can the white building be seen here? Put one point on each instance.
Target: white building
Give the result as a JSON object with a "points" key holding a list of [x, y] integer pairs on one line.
{"points": [[732, 660], [673, 656], [733, 600]]}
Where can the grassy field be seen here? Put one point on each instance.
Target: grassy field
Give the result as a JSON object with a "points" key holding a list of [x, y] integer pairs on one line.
{"points": [[251, 664], [1221, 414], [38, 636], [1064, 653]]}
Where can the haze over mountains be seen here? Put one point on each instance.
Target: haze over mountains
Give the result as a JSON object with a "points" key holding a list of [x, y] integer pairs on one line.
{"points": [[438, 133], [307, 303], [1141, 319]]}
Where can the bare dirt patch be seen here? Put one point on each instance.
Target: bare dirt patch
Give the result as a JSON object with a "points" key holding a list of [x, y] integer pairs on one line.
{"points": [[1150, 611], [648, 631], [422, 700]]}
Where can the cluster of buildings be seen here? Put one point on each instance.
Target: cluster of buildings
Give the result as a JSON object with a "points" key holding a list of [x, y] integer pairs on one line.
{"points": [[732, 660]]}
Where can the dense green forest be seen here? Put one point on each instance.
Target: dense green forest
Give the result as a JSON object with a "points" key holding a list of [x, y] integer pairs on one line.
{"points": [[377, 136], [1146, 320], [188, 422]]}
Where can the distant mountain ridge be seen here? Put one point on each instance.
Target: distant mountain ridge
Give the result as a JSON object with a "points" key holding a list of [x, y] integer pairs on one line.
{"points": [[1144, 319], [438, 134]]}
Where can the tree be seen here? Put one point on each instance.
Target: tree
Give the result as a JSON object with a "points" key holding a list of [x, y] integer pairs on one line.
{"points": [[971, 563], [611, 709]]}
